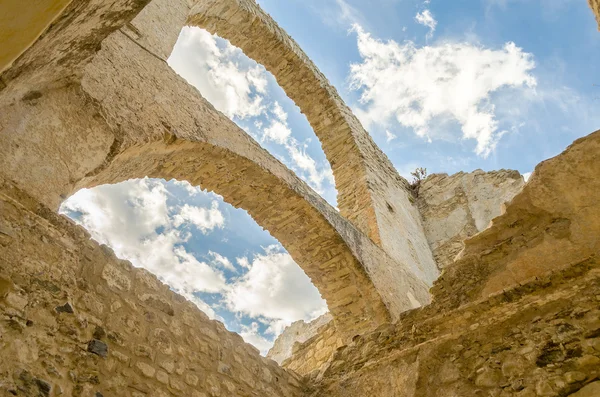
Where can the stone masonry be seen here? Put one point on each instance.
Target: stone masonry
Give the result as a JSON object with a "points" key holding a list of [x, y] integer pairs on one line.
{"points": [[91, 100]]}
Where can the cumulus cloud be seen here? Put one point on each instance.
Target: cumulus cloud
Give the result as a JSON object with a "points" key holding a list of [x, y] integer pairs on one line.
{"points": [[277, 289], [389, 136], [237, 86], [425, 18], [252, 335], [134, 220], [205, 219], [221, 261], [424, 87], [232, 83]]}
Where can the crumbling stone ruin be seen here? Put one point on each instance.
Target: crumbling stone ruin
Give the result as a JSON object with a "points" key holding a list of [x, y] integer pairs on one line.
{"points": [[425, 298]]}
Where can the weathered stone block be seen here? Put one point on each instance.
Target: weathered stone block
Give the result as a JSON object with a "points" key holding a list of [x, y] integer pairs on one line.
{"points": [[97, 347]]}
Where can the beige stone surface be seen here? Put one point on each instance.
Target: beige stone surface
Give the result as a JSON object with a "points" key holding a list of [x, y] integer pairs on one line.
{"points": [[461, 205], [313, 354], [21, 26], [298, 332], [524, 343]]}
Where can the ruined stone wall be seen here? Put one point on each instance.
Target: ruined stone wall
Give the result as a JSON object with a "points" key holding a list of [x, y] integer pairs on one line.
{"points": [[77, 321], [461, 205], [517, 314], [298, 332], [312, 354], [540, 339]]}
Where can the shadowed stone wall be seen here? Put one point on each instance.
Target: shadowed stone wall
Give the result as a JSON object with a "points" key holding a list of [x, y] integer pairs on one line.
{"points": [[21, 26]]}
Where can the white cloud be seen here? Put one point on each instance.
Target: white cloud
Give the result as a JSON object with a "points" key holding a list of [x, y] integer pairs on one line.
{"points": [[389, 136], [221, 261], [230, 81], [527, 175], [277, 289], [251, 334], [278, 131], [205, 219], [237, 86], [425, 18], [191, 190], [243, 262], [127, 217], [134, 219], [436, 84]]}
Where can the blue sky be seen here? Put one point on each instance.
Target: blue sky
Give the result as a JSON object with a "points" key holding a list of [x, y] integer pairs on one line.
{"points": [[450, 86]]}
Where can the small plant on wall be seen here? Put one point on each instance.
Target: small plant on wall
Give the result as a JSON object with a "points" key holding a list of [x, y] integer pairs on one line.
{"points": [[419, 175]]}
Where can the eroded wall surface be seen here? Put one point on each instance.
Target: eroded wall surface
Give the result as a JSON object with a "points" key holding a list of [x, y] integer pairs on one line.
{"points": [[77, 321], [517, 314], [314, 353], [459, 206], [540, 339]]}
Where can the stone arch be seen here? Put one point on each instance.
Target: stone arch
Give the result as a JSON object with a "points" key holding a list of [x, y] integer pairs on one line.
{"points": [[246, 26], [369, 187], [279, 208]]}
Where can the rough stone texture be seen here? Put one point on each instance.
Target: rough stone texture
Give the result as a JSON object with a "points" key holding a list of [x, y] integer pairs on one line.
{"points": [[21, 26], [459, 206], [371, 194], [527, 342], [595, 5], [299, 332], [145, 349], [517, 315]]}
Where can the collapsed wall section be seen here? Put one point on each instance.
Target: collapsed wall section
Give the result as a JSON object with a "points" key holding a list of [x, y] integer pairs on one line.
{"points": [[298, 332], [77, 321]]}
